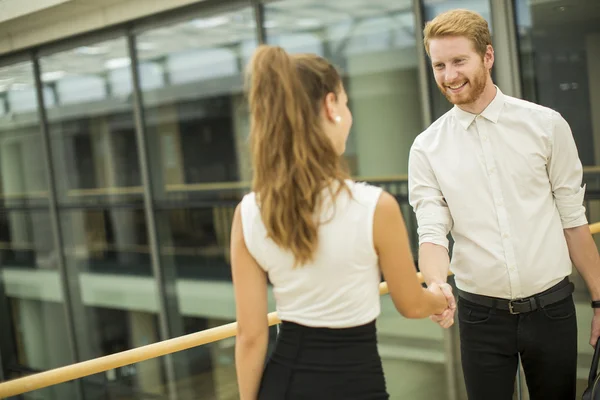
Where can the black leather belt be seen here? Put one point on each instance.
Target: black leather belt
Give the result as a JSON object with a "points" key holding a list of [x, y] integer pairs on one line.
{"points": [[553, 295]]}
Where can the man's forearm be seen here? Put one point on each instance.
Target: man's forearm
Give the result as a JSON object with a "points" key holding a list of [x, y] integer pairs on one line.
{"points": [[434, 263], [584, 254]]}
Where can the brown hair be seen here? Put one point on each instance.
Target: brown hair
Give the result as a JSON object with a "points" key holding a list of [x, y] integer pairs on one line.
{"points": [[459, 23], [292, 157]]}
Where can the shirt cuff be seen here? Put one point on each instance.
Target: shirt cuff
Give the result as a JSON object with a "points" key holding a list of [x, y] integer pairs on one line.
{"points": [[571, 209]]}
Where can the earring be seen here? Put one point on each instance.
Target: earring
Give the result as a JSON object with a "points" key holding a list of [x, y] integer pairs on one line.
{"points": [[338, 119]]}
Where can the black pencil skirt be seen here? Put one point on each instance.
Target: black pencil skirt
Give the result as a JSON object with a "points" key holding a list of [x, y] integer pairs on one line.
{"points": [[322, 363]]}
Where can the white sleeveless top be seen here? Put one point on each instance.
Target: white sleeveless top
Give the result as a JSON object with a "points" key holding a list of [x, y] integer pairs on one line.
{"points": [[340, 288]]}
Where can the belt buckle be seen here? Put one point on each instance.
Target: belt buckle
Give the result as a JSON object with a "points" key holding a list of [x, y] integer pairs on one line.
{"points": [[511, 308]]}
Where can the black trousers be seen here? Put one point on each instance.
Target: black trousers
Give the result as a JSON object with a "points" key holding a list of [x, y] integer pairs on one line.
{"points": [[324, 364], [492, 340]]}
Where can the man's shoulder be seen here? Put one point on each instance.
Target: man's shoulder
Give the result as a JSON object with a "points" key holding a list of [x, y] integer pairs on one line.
{"points": [[531, 108], [431, 134]]}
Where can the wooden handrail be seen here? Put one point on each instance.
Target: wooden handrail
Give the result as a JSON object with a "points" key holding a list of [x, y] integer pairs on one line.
{"points": [[143, 353]]}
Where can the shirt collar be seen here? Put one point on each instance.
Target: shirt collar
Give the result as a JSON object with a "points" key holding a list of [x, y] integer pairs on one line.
{"points": [[491, 112]]}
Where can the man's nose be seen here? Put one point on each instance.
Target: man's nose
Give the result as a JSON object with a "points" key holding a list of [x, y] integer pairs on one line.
{"points": [[451, 74]]}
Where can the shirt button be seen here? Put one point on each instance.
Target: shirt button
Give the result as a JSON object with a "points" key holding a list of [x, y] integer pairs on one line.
{"points": [[484, 138], [505, 235]]}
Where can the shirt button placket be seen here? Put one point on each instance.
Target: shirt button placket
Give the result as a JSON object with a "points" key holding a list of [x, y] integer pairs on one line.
{"points": [[513, 276]]}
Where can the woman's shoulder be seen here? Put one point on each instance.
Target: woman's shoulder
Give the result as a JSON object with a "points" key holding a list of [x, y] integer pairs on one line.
{"points": [[363, 190]]}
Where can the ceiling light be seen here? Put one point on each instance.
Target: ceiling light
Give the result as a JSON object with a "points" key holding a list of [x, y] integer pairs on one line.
{"points": [[52, 75], [91, 50], [308, 22], [270, 24], [115, 63], [19, 86], [206, 23], [145, 46]]}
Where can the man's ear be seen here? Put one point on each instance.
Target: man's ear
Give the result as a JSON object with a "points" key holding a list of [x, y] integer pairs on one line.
{"points": [[488, 58]]}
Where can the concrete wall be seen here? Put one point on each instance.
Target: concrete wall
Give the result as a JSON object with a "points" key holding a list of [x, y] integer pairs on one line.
{"points": [[26, 23]]}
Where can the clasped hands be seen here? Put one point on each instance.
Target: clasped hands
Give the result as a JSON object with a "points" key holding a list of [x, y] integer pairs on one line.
{"points": [[446, 318]]}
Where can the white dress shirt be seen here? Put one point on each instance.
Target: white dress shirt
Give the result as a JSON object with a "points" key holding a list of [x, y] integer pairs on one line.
{"points": [[505, 183]]}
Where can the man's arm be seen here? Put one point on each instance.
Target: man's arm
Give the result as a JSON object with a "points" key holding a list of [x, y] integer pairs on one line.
{"points": [[434, 263], [435, 221], [584, 254], [566, 174]]}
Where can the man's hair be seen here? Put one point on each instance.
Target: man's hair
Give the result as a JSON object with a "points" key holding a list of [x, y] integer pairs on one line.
{"points": [[459, 22]]}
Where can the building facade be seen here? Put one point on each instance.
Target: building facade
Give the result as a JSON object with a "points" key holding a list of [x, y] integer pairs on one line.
{"points": [[123, 152]]}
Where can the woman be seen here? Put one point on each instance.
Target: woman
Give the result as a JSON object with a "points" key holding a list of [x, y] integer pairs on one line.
{"points": [[321, 239]]}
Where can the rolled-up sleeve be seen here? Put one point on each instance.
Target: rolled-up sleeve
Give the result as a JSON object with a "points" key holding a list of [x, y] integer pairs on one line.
{"points": [[566, 174], [425, 197]]}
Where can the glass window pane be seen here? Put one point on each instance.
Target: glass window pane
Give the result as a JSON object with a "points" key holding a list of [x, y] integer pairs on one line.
{"points": [[192, 77], [558, 49], [34, 332], [100, 199], [23, 179], [431, 8], [91, 124], [31, 295], [375, 48], [197, 124]]}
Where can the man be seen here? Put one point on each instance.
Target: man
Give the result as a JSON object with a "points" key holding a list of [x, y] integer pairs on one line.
{"points": [[503, 176]]}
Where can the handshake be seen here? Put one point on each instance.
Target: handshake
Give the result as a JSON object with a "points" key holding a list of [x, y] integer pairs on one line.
{"points": [[446, 318]]}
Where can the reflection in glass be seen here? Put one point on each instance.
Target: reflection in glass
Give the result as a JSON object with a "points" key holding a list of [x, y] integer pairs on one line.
{"points": [[31, 298], [87, 92], [107, 248], [118, 331], [106, 241], [196, 120], [559, 53], [431, 8], [196, 241], [195, 110], [26, 240], [375, 49], [31, 293], [101, 216], [22, 172]]}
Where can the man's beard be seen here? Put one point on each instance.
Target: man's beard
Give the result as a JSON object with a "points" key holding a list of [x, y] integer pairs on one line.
{"points": [[475, 89]]}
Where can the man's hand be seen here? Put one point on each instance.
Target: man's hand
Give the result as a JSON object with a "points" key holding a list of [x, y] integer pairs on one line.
{"points": [[446, 319], [595, 327]]}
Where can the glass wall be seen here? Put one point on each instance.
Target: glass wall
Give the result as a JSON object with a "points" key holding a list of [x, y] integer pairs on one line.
{"points": [[32, 313], [196, 125], [375, 48], [87, 92]]}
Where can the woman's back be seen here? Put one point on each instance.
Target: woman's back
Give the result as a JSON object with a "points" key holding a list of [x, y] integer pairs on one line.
{"points": [[339, 288]]}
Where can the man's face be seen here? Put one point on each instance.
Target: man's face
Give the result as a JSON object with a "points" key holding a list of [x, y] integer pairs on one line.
{"points": [[460, 72]]}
